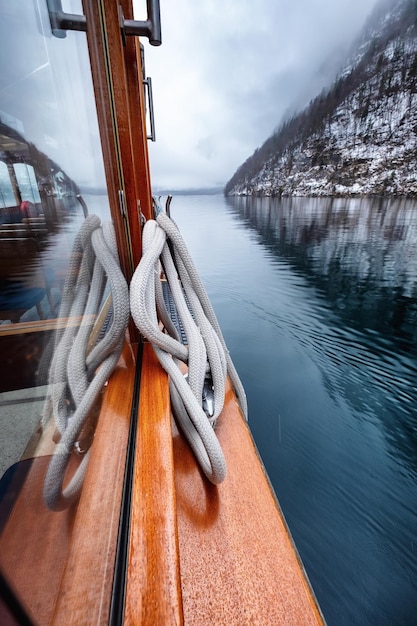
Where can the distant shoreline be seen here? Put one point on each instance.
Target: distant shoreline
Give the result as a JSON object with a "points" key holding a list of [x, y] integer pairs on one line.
{"points": [[204, 191]]}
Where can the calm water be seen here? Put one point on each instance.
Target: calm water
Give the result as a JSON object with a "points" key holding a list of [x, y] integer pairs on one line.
{"points": [[318, 303]]}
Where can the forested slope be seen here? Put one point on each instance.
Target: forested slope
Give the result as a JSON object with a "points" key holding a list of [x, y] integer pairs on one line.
{"points": [[358, 137]]}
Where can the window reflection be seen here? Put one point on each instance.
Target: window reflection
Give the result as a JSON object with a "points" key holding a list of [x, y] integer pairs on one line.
{"points": [[51, 178], [50, 175], [7, 196], [27, 183], [52, 183]]}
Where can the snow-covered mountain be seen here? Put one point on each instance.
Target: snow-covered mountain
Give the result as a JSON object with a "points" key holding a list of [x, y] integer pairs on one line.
{"points": [[360, 136]]}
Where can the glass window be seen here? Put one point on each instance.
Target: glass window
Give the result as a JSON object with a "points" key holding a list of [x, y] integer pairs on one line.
{"points": [[51, 179], [27, 183], [7, 196]]}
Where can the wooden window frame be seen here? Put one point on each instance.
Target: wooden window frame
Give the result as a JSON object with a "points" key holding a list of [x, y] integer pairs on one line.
{"points": [[75, 574]]}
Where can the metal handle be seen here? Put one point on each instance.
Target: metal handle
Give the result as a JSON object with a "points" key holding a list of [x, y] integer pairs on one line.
{"points": [[150, 28], [61, 21], [148, 83]]}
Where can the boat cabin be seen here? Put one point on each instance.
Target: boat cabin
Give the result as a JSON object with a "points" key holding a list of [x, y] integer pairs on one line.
{"points": [[105, 514]]}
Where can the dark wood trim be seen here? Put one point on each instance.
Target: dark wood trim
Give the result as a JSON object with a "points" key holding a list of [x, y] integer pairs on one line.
{"points": [[137, 116], [117, 606]]}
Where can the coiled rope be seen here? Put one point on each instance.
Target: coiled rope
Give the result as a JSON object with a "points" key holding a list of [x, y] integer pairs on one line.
{"points": [[78, 369], [205, 354]]}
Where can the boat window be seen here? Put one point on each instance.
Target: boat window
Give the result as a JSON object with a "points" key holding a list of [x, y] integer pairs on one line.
{"points": [[52, 181], [7, 197], [26, 182]]}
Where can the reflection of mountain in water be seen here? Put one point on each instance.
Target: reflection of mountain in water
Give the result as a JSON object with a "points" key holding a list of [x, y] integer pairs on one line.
{"points": [[361, 254], [360, 257]]}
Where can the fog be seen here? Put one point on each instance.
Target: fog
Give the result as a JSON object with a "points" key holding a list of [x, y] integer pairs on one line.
{"points": [[227, 74], [225, 77]]}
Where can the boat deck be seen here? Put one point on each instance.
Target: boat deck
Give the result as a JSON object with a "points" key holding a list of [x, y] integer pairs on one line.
{"points": [[198, 553]]}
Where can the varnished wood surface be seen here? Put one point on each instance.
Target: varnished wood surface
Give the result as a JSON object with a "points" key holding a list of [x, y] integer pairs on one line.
{"points": [[153, 579], [61, 563], [85, 591], [198, 553], [40, 326], [119, 94], [238, 563], [34, 544], [97, 39], [137, 119], [116, 70]]}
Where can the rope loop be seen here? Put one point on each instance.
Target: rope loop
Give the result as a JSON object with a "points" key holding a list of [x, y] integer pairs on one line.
{"points": [[204, 351], [83, 360]]}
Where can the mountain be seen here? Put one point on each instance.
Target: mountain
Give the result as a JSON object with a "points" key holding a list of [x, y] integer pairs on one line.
{"points": [[359, 137]]}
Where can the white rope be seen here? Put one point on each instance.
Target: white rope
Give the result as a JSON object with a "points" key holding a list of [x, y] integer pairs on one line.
{"points": [[205, 352], [77, 375]]}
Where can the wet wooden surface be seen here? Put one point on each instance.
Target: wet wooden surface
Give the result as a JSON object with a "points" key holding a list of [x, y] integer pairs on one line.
{"points": [[204, 554], [86, 586], [34, 542], [238, 563], [198, 553], [153, 593], [61, 564]]}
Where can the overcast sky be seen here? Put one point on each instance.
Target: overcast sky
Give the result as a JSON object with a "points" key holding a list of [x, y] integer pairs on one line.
{"points": [[227, 73]]}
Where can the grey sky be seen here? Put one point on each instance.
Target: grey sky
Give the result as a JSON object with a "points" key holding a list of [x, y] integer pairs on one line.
{"points": [[229, 70]]}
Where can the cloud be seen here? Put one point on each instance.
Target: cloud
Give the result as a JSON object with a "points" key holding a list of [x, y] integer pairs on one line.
{"points": [[228, 72]]}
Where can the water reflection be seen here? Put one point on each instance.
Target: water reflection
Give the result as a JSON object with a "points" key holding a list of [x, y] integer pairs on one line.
{"points": [[359, 253], [360, 257], [331, 381]]}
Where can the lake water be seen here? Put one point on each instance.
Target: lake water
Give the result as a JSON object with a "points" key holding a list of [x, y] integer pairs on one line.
{"points": [[317, 299]]}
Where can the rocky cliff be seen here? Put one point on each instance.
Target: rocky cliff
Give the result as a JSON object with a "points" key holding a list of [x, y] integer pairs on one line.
{"points": [[359, 137]]}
